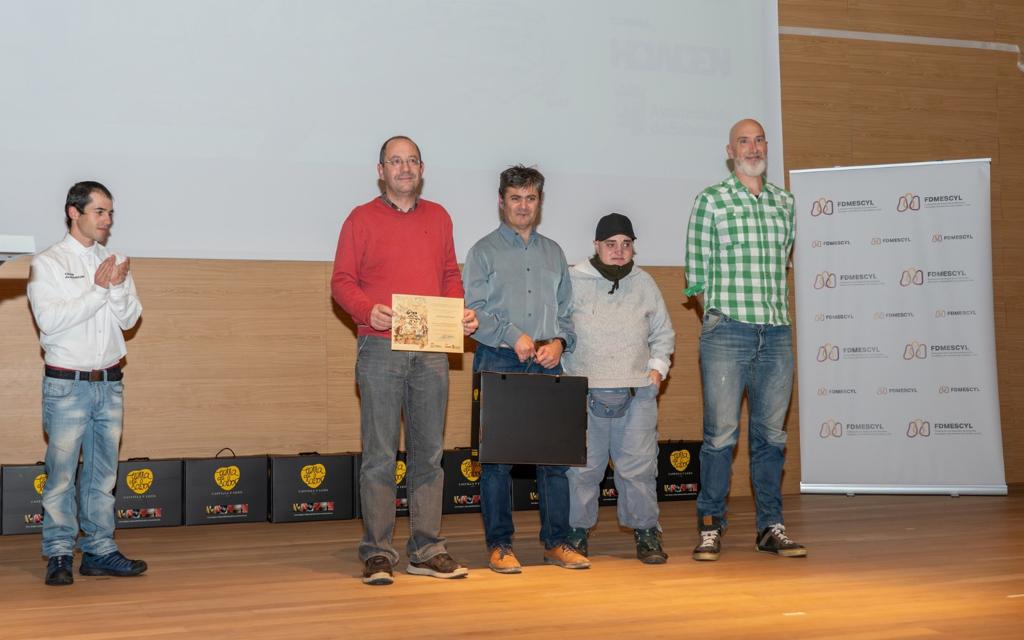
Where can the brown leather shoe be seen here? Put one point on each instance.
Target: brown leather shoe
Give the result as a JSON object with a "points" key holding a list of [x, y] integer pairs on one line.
{"points": [[566, 557], [504, 561]]}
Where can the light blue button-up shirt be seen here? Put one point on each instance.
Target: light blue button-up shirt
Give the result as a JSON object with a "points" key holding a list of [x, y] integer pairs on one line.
{"points": [[518, 288]]}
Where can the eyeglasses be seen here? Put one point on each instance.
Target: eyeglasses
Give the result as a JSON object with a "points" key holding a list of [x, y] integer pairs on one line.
{"points": [[397, 162]]}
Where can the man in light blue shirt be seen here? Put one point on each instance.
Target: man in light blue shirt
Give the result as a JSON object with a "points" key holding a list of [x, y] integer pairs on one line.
{"points": [[518, 283]]}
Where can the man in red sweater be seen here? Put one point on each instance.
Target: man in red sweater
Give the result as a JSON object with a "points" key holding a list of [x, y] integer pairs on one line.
{"points": [[399, 243]]}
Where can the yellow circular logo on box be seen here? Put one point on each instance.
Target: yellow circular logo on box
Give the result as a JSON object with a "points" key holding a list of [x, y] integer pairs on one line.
{"points": [[399, 472], [39, 483], [139, 480], [470, 469], [313, 475], [680, 459], [227, 477]]}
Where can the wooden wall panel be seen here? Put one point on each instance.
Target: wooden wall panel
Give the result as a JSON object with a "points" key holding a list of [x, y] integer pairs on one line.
{"points": [[956, 19], [228, 353], [959, 19], [817, 82], [911, 102], [1009, 19], [342, 418], [20, 362], [820, 14]]}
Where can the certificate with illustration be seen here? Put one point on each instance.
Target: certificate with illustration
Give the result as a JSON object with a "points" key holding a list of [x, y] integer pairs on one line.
{"points": [[426, 323]]}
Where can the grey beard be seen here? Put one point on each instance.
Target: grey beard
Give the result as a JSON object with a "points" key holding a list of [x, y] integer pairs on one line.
{"points": [[754, 169]]}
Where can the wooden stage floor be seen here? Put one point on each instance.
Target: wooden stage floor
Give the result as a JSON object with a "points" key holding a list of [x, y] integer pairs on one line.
{"points": [[878, 567]]}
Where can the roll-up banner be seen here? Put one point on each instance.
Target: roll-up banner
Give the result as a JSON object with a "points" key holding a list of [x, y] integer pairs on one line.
{"points": [[895, 330]]}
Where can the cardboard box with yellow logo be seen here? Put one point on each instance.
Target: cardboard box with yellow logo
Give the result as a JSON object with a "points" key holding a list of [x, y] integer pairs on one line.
{"points": [[226, 490], [311, 486], [148, 493], [461, 481], [22, 498], [678, 470]]}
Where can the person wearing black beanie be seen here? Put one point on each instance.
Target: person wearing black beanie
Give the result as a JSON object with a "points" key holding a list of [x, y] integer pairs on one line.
{"points": [[624, 345]]}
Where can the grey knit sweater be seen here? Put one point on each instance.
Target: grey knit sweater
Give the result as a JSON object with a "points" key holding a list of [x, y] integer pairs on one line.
{"points": [[620, 337]]}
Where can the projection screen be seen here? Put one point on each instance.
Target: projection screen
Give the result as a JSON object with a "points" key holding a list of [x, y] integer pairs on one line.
{"points": [[249, 129]]}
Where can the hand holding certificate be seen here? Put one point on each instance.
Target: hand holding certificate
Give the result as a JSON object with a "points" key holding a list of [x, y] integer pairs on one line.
{"points": [[426, 323]]}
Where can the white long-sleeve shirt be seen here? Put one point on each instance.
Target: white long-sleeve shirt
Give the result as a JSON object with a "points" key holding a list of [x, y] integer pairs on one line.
{"points": [[80, 323]]}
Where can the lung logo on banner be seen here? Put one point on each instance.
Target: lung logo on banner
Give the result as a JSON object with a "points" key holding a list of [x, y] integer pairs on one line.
{"points": [[893, 273]]}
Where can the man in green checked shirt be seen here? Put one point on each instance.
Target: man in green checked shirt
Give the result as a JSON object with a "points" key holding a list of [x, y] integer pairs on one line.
{"points": [[737, 249]]}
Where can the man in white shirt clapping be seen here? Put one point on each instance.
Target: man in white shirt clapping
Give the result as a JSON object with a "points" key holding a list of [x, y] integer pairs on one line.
{"points": [[83, 299]]}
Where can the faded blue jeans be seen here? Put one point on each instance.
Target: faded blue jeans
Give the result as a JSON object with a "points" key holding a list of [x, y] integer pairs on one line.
{"points": [[756, 358], [496, 483], [80, 417], [392, 383], [632, 442]]}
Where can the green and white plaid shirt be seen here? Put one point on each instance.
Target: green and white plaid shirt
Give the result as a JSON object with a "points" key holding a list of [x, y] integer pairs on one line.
{"points": [[737, 249]]}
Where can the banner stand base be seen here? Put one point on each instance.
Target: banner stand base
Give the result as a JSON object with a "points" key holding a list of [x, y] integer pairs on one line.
{"points": [[875, 489]]}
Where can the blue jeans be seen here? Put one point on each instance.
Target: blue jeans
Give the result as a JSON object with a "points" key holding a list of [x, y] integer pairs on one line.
{"points": [[756, 358], [80, 417], [632, 442], [392, 383], [496, 483]]}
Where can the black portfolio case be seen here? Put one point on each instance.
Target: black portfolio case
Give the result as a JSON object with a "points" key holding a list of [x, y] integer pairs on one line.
{"points": [[678, 470], [461, 481], [311, 487], [148, 493], [401, 486], [22, 498], [530, 418], [225, 490]]}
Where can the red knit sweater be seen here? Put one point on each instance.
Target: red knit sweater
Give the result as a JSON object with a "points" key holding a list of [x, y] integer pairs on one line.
{"points": [[383, 251]]}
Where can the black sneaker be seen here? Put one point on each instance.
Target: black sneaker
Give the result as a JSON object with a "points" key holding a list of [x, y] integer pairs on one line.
{"points": [[710, 545], [111, 564], [577, 538], [58, 571], [648, 546], [377, 570], [773, 539], [440, 566]]}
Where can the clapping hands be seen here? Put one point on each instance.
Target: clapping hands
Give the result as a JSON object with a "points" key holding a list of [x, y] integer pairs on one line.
{"points": [[110, 272]]}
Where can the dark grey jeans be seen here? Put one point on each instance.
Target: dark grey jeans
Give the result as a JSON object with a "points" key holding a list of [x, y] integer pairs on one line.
{"points": [[392, 383]]}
